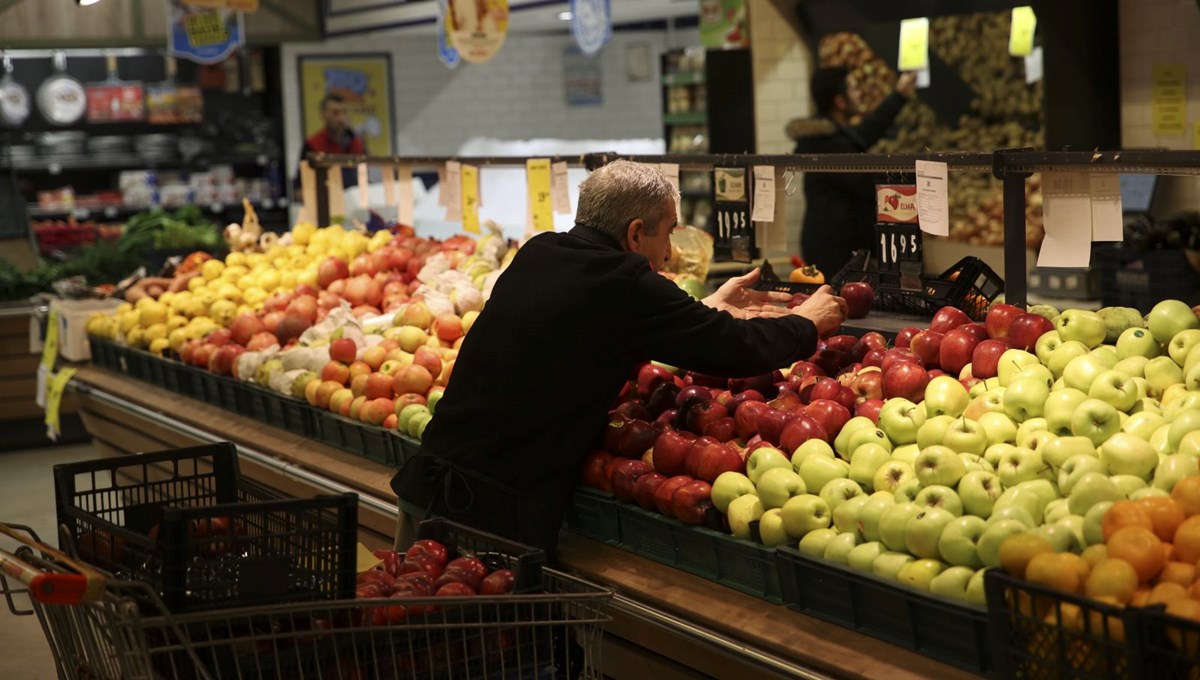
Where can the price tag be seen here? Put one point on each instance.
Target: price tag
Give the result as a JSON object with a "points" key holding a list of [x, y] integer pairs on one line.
{"points": [[470, 199], [537, 174], [404, 195], [560, 191], [452, 190], [933, 203], [734, 229], [1168, 99], [1034, 66], [50, 345], [364, 186], [1020, 39], [1108, 218], [58, 384], [1067, 215], [337, 194], [43, 382], [914, 44], [923, 79], [389, 185], [764, 193]]}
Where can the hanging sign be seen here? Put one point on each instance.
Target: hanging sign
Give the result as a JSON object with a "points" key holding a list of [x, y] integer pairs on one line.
{"points": [[58, 384], [1020, 39], [478, 28], [205, 36], [446, 52], [1168, 99], [591, 24], [470, 198], [731, 214], [914, 44], [541, 209]]}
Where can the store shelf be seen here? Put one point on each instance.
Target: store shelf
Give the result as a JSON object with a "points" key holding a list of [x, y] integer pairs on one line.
{"points": [[686, 118], [58, 164], [115, 211], [683, 78]]}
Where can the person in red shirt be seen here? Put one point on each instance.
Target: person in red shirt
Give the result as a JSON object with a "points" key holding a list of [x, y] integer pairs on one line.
{"points": [[336, 136]]}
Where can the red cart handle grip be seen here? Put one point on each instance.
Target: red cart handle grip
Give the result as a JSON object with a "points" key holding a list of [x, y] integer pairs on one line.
{"points": [[85, 585]]}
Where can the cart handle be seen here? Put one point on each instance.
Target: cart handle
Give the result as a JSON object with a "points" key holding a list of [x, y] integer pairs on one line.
{"points": [[87, 585]]}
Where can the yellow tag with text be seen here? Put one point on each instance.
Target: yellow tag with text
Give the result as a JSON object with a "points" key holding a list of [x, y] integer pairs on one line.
{"points": [[914, 44], [1168, 100], [54, 394], [537, 172], [1024, 25], [50, 346], [205, 28], [469, 178], [365, 560]]}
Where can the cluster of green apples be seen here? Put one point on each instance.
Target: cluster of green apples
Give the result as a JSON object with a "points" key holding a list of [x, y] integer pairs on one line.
{"points": [[926, 495]]}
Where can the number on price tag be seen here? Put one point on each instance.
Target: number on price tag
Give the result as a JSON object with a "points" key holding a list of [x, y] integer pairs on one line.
{"points": [[896, 244]]}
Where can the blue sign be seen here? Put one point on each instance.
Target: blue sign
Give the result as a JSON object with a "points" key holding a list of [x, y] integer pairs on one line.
{"points": [[205, 36], [446, 52], [591, 24]]}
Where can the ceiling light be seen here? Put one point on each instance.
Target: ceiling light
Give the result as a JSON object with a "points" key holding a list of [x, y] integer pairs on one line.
{"points": [[85, 3], [565, 16]]}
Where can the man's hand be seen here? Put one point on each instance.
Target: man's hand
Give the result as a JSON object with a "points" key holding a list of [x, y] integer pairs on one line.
{"points": [[907, 84], [826, 310], [736, 297]]}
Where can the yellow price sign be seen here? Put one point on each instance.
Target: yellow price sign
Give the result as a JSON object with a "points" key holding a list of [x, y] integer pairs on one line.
{"points": [[469, 178], [537, 171], [205, 28], [58, 384], [914, 44], [50, 346], [1024, 25]]}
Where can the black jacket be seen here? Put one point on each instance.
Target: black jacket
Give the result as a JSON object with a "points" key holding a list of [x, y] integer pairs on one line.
{"points": [[566, 325], [840, 210]]}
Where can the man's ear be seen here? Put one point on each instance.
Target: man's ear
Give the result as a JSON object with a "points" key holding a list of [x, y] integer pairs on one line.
{"points": [[635, 233]]}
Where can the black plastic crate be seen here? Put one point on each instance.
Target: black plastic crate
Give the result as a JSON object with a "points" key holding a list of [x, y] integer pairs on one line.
{"points": [[102, 353], [595, 514], [150, 518], [218, 390], [297, 415], [257, 404], [404, 447], [948, 631], [970, 284], [1130, 278], [1169, 645], [524, 561], [377, 444], [747, 566], [1039, 632], [669, 541], [192, 381]]}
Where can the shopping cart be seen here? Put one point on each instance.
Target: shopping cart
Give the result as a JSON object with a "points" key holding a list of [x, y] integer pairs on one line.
{"points": [[98, 628]]}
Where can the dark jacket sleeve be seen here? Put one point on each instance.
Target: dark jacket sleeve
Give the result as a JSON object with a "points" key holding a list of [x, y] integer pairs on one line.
{"points": [[873, 125], [665, 324]]}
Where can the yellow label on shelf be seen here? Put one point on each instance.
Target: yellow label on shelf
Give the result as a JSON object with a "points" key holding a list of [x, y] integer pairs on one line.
{"points": [[50, 347], [1024, 25], [1168, 100], [541, 209], [365, 560], [54, 399], [470, 198], [914, 44]]}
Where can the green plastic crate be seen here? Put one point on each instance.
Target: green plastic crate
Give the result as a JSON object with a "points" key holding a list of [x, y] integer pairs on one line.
{"points": [[594, 513]]}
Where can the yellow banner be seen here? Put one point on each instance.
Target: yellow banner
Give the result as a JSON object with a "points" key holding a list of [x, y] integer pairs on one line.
{"points": [[469, 178], [364, 83], [537, 171]]}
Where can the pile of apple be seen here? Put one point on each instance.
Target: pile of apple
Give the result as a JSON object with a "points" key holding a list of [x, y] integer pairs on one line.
{"points": [[425, 571], [916, 462]]}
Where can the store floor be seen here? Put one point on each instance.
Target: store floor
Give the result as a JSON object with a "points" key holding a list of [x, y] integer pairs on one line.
{"points": [[27, 497]]}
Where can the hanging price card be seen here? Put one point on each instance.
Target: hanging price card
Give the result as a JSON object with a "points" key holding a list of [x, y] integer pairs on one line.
{"points": [[914, 44], [452, 190], [470, 198], [537, 174], [764, 193], [58, 384], [1020, 39], [560, 192], [337, 194], [389, 185]]}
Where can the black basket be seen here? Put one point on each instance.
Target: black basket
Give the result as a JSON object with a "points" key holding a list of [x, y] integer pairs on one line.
{"points": [[1038, 632], [939, 628], [261, 550], [524, 561], [970, 285], [1169, 645], [1141, 280]]}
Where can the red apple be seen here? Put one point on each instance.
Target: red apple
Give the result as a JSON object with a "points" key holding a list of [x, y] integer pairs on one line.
{"points": [[841, 343], [670, 453], [947, 319], [786, 401], [291, 327], [499, 582], [343, 350], [709, 460], [661, 398], [692, 394], [592, 471], [999, 319], [614, 428], [701, 415], [867, 385], [927, 345], [261, 341], [690, 502], [624, 475], [746, 416], [956, 351], [906, 380], [331, 270], [1026, 329], [412, 378], [741, 397], [271, 320], [905, 335], [339, 373], [222, 359], [803, 369], [802, 428], [869, 409], [986, 357], [976, 329], [830, 360], [379, 386], [649, 377], [666, 418], [244, 327], [868, 342], [665, 492], [636, 438], [644, 488], [875, 357], [899, 356], [722, 430], [771, 423], [859, 297], [305, 306], [219, 337], [632, 409], [830, 415]]}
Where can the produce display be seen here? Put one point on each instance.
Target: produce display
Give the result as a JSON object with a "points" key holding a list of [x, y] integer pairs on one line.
{"points": [[62, 235], [920, 461]]}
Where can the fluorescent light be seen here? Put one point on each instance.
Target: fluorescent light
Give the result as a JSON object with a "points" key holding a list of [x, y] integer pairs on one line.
{"points": [[565, 16], [85, 3]]}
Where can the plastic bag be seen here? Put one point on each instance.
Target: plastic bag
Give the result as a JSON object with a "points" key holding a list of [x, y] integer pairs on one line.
{"points": [[691, 252]]}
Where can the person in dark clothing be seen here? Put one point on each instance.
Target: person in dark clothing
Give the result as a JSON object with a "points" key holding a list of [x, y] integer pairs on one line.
{"points": [[840, 211], [335, 137], [568, 321]]}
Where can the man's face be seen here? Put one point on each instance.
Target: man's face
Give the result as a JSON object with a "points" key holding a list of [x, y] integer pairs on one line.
{"points": [[336, 116], [655, 247]]}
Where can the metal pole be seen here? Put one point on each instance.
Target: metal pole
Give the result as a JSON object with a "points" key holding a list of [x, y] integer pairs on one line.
{"points": [[322, 174], [1015, 279]]}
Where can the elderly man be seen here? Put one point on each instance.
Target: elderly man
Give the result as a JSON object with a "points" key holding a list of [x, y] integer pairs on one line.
{"points": [[567, 323]]}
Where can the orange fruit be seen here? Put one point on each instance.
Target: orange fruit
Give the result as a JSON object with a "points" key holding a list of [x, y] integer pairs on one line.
{"points": [[1016, 551], [1165, 514], [1056, 570], [1070, 616], [1169, 552], [1166, 592], [1116, 579], [1140, 597], [1187, 540], [1140, 548], [1178, 572], [1187, 494], [1124, 514], [1093, 554], [1194, 591]]}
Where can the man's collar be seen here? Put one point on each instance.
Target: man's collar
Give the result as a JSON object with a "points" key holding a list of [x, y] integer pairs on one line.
{"points": [[595, 236]]}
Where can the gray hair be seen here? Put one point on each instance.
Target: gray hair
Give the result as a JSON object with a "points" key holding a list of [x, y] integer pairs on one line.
{"points": [[621, 192]]}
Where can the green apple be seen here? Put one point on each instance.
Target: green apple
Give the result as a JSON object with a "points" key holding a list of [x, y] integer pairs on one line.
{"points": [[1168, 318], [1174, 468], [867, 436], [1077, 325], [1160, 442], [1036, 371], [966, 436], [1093, 523], [979, 491], [988, 402], [907, 491], [952, 583], [1058, 451], [976, 594], [1019, 465], [933, 431], [1190, 444], [974, 462], [838, 550], [1146, 405], [1115, 389], [919, 573], [1047, 311], [741, 512], [1066, 352], [1185, 400], [958, 544], [939, 465], [1091, 488], [900, 419], [1125, 454], [1148, 492], [1025, 398], [945, 396], [1062, 538], [937, 496], [766, 458], [1011, 363], [1137, 342], [891, 475], [779, 484], [866, 461], [893, 521], [1191, 379], [1095, 420], [998, 427], [1075, 468], [1118, 320], [906, 453], [1142, 425], [728, 486], [814, 542], [1081, 371], [1107, 355], [1074, 524], [922, 532], [771, 529], [1182, 423], [871, 513], [1046, 345], [1036, 441], [1021, 497], [837, 491], [889, 564], [846, 515], [995, 452], [804, 514], [1127, 484], [1056, 510], [812, 447], [1162, 373], [985, 385], [843, 437], [816, 471], [1013, 512], [1192, 360], [863, 555], [1046, 490], [994, 533], [1134, 367]]}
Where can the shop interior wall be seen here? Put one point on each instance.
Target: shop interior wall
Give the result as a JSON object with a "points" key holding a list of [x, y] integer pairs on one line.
{"points": [[518, 95], [1160, 32]]}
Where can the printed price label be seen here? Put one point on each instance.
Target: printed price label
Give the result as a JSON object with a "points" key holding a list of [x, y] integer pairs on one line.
{"points": [[50, 345], [470, 199], [205, 28], [764, 193], [541, 211], [560, 192], [364, 187], [897, 243], [914, 44], [54, 394], [1024, 24]]}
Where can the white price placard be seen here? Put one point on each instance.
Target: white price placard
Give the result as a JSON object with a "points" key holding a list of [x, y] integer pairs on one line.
{"points": [[764, 194], [933, 203], [560, 192], [452, 191], [1108, 218], [1067, 215]]}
